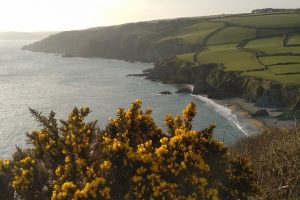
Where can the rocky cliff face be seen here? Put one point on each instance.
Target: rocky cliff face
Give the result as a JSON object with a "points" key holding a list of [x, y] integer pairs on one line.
{"points": [[217, 83]]}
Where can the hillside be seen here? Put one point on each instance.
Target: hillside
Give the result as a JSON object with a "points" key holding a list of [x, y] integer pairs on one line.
{"points": [[255, 56], [136, 41]]}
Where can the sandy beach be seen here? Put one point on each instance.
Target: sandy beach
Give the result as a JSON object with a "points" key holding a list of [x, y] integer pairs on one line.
{"points": [[245, 110]]}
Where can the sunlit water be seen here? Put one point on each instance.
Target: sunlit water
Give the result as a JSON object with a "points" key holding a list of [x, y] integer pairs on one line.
{"points": [[50, 82]]}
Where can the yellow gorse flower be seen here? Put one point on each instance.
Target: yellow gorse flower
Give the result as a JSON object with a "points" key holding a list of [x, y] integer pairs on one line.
{"points": [[131, 158]]}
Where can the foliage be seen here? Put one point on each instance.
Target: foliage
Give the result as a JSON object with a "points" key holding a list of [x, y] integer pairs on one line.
{"points": [[131, 159], [6, 192], [275, 155]]}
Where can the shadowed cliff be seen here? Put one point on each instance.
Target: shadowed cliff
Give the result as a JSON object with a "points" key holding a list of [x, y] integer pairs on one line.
{"points": [[143, 41]]}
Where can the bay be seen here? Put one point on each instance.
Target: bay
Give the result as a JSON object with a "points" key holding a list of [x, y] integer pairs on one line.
{"points": [[48, 82]]}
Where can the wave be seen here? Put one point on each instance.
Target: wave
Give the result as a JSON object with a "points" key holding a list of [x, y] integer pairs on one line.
{"points": [[187, 86], [225, 113]]}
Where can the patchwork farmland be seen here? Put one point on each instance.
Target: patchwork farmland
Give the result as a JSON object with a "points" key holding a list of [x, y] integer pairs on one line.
{"points": [[264, 46]]}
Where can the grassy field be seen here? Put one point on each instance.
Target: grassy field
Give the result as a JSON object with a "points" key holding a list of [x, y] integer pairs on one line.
{"points": [[271, 45], [268, 32], [272, 60], [196, 33], [222, 47], [232, 59], [186, 57], [291, 79], [225, 41], [265, 21], [265, 42], [294, 39], [284, 69], [232, 35]]}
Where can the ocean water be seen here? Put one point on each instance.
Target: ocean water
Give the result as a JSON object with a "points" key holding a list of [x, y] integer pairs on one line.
{"points": [[51, 82]]}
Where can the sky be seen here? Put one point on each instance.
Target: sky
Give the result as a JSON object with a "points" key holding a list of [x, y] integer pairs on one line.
{"points": [[59, 15]]}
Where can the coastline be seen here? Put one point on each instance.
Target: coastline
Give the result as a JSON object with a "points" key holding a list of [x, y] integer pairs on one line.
{"points": [[230, 110], [240, 112], [243, 112], [234, 113], [244, 115], [246, 109]]}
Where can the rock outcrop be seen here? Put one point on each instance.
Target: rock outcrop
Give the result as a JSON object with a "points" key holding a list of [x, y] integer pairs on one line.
{"points": [[217, 83]]}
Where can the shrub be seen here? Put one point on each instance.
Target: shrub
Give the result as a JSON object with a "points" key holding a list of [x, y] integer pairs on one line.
{"points": [[275, 155], [131, 158]]}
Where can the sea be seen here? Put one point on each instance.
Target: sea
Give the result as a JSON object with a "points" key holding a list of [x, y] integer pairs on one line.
{"points": [[51, 82]]}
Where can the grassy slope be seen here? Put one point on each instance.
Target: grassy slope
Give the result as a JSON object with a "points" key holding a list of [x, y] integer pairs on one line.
{"points": [[272, 60], [275, 157], [285, 69], [232, 35], [294, 39], [195, 33], [293, 79], [265, 21], [271, 45], [186, 57], [233, 59], [222, 46]]}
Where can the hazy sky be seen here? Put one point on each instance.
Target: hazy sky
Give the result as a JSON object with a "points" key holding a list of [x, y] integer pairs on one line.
{"points": [[52, 15]]}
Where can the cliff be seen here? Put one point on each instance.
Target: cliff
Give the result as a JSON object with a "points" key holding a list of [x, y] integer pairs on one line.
{"points": [[143, 41], [217, 83]]}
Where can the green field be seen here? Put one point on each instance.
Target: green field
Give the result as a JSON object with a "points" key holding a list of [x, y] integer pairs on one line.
{"points": [[222, 47], [273, 60], [232, 35], [291, 79], [294, 39], [263, 42], [271, 45], [252, 45], [285, 69], [195, 33], [186, 57], [268, 32], [232, 59], [265, 21]]}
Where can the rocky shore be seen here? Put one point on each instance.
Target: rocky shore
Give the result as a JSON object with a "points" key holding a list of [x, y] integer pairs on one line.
{"points": [[259, 98]]}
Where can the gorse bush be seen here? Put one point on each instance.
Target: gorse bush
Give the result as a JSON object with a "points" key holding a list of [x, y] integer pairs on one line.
{"points": [[131, 158]]}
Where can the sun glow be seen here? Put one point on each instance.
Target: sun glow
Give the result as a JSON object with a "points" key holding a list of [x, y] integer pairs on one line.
{"points": [[57, 15], [38, 15]]}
